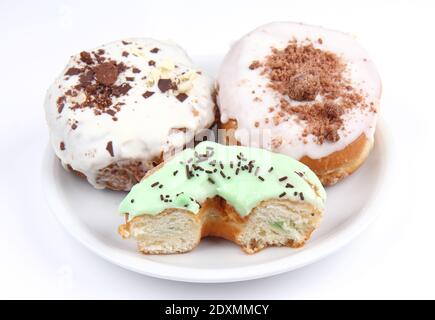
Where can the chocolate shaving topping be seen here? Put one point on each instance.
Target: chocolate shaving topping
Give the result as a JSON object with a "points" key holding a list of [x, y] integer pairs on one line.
{"points": [[86, 57], [254, 65], [135, 70], [60, 104], [148, 94], [62, 146], [125, 54], [106, 73], [125, 42], [86, 78], [111, 112], [129, 78], [97, 83], [121, 90], [151, 63], [182, 96], [154, 50], [121, 67], [165, 84], [109, 148], [99, 58], [73, 71]]}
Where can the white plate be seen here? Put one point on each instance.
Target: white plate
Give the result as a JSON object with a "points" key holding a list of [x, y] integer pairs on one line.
{"points": [[90, 215]]}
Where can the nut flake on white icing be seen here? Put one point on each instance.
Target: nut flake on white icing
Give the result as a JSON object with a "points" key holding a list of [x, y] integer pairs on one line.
{"points": [[237, 82], [143, 125]]}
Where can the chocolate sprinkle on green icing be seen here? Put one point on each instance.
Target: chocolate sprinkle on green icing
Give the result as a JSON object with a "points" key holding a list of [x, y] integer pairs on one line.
{"points": [[238, 184]]}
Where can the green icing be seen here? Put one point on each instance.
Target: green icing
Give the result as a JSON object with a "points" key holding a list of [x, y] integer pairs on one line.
{"points": [[242, 176]]}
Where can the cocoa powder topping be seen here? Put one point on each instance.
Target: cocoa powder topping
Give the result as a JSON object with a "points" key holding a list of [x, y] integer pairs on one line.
{"points": [[301, 72]]}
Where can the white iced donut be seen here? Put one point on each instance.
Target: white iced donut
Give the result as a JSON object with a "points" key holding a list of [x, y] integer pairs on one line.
{"points": [[313, 93], [115, 110]]}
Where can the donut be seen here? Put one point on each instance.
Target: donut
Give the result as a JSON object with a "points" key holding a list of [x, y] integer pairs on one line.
{"points": [[304, 91], [117, 110], [252, 197]]}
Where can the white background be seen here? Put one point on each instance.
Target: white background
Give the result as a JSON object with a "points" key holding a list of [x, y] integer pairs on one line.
{"points": [[393, 258]]}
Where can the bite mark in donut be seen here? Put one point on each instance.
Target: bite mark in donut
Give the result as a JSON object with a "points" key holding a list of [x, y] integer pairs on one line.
{"points": [[250, 196]]}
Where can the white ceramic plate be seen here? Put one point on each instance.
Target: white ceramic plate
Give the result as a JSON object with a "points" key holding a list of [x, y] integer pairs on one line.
{"points": [[90, 215]]}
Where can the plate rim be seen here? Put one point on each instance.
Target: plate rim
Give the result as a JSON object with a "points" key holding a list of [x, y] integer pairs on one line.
{"points": [[327, 246]]}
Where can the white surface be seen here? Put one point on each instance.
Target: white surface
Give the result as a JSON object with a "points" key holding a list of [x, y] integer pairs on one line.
{"points": [[393, 258], [90, 216]]}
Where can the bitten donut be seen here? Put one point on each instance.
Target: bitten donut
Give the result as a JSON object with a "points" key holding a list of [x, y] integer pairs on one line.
{"points": [[116, 110], [250, 196], [304, 91]]}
